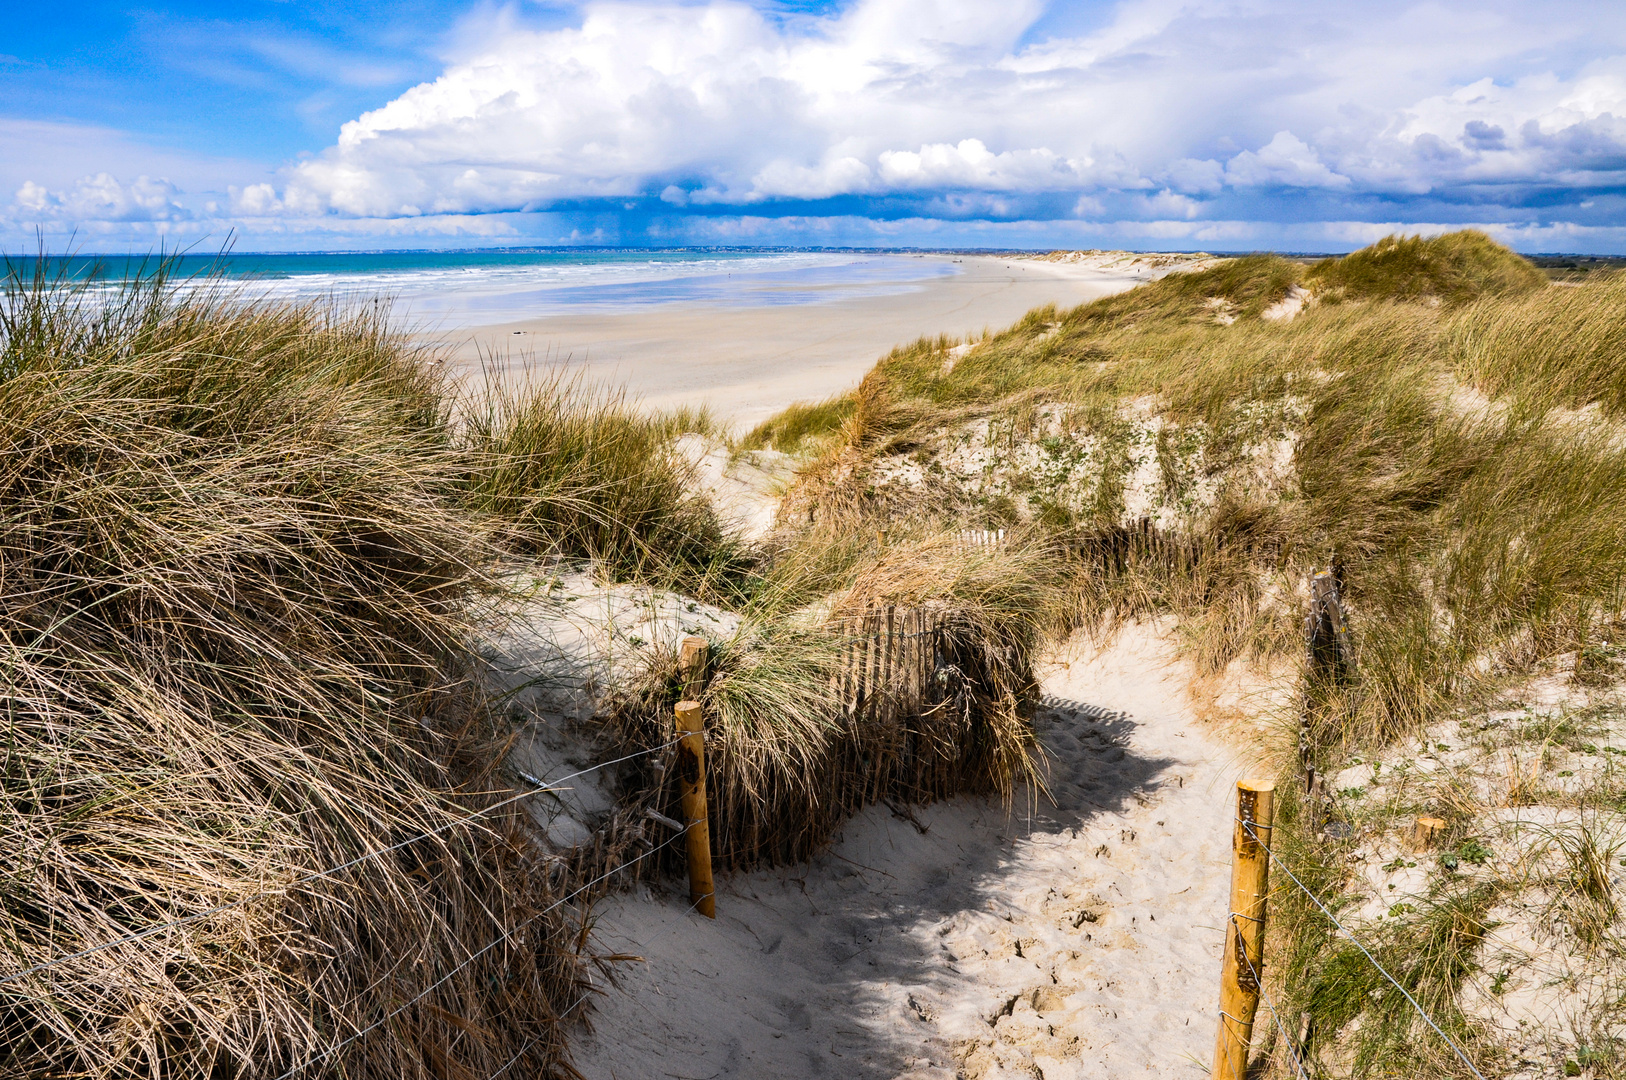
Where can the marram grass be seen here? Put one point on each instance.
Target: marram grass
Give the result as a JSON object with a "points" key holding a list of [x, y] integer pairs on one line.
{"points": [[238, 543], [231, 571], [1462, 459]]}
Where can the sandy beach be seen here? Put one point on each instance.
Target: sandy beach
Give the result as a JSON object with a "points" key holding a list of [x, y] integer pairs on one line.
{"points": [[747, 363]]}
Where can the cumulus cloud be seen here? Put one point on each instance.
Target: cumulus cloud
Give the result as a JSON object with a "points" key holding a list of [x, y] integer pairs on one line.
{"points": [[717, 105], [704, 105], [102, 198], [970, 164], [1285, 161], [1180, 114], [256, 200]]}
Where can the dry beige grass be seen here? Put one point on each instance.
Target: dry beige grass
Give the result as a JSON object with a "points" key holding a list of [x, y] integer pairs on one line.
{"points": [[1440, 423], [232, 567]]}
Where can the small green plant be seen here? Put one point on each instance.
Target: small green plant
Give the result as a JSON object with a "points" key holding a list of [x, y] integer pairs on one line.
{"points": [[802, 427], [1597, 665]]}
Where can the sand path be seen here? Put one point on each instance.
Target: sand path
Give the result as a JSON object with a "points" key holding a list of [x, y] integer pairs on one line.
{"points": [[1073, 939], [747, 363]]}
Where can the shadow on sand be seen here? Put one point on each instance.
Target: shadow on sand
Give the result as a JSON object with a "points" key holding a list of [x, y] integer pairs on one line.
{"points": [[838, 967]]}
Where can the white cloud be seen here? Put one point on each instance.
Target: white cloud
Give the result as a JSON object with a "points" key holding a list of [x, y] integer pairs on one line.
{"points": [[256, 200], [1088, 206], [73, 178], [840, 176], [1285, 161], [718, 104], [1194, 177], [971, 165], [710, 104], [1181, 114], [102, 197], [33, 198], [1166, 202]]}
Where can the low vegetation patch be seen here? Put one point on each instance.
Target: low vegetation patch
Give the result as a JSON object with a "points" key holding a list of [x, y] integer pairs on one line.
{"points": [[1452, 269], [576, 474], [800, 427]]}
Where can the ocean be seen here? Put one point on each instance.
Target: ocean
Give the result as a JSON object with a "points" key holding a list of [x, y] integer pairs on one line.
{"points": [[475, 288]]}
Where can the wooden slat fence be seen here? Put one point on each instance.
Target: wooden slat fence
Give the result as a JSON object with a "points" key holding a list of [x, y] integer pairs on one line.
{"points": [[981, 538], [912, 683], [1329, 664], [1120, 548], [888, 662]]}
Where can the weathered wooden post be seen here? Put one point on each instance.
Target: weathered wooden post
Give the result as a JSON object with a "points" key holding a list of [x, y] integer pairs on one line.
{"points": [[1425, 831], [1330, 642], [1244, 959], [691, 776], [692, 666]]}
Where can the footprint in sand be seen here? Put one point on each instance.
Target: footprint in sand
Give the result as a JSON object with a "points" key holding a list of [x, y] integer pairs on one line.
{"points": [[1065, 940]]}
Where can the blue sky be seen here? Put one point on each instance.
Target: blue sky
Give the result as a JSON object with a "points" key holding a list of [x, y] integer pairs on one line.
{"points": [[1021, 123]]}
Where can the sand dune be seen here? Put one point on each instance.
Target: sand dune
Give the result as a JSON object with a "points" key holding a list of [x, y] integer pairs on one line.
{"points": [[1064, 937]]}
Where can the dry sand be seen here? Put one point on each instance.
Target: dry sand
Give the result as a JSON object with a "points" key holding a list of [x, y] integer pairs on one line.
{"points": [[1073, 938], [748, 363]]}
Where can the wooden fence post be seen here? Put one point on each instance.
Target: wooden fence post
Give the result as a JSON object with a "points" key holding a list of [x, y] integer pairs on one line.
{"points": [[1424, 831], [692, 666], [691, 773], [1244, 959]]}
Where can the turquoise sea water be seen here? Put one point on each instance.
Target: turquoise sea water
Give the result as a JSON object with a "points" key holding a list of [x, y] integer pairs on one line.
{"points": [[484, 287]]}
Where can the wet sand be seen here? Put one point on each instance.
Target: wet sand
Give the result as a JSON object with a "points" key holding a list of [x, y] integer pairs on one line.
{"points": [[746, 364]]}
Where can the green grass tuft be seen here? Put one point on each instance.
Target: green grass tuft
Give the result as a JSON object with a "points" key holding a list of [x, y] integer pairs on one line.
{"points": [[800, 427], [1452, 269], [1240, 288], [582, 474]]}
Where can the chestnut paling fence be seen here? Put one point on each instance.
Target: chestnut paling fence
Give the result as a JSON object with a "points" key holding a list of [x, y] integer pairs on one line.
{"points": [[916, 687], [913, 685]]}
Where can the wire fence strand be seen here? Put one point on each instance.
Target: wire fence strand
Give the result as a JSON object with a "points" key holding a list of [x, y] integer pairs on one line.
{"points": [[219, 909], [1275, 1015], [1353, 940], [432, 987]]}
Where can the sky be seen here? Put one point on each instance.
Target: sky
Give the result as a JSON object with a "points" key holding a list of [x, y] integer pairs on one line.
{"points": [[1147, 124]]}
